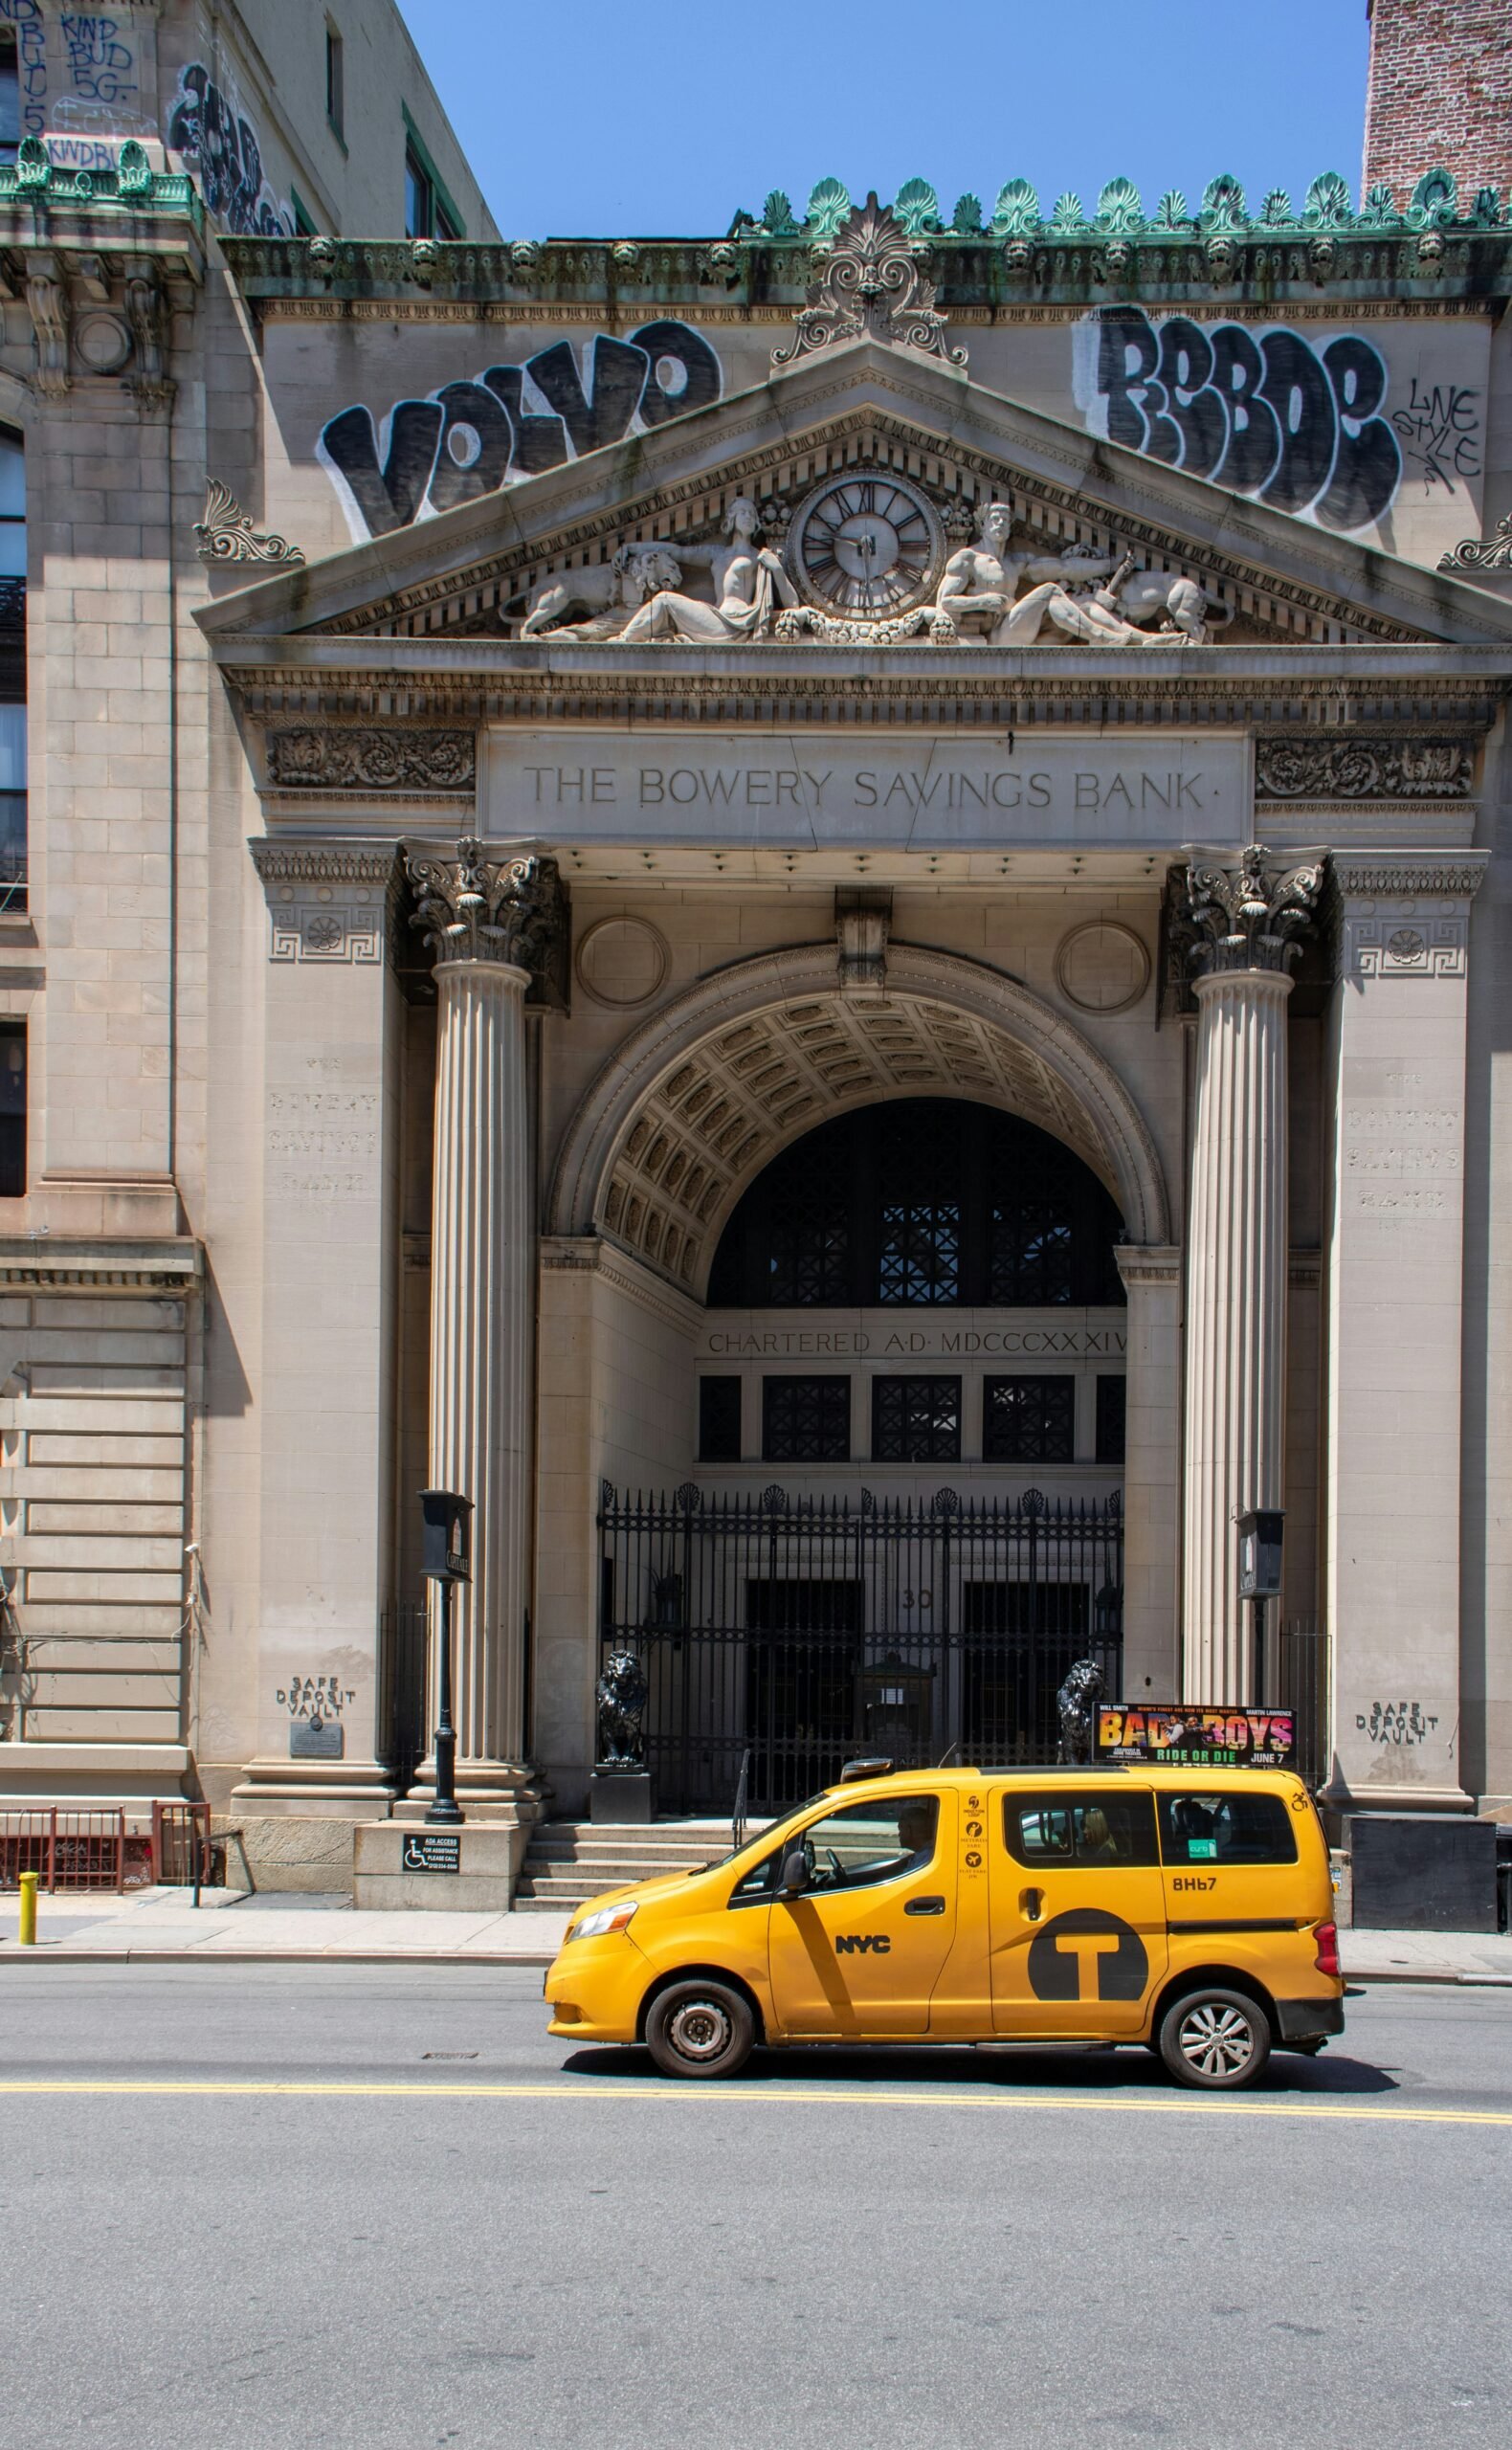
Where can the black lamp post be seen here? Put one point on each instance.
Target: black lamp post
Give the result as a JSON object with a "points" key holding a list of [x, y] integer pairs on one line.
{"points": [[444, 1558], [1261, 1576]]}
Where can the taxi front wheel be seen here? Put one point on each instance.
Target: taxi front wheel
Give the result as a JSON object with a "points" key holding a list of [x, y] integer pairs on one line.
{"points": [[699, 2029], [1215, 2039]]}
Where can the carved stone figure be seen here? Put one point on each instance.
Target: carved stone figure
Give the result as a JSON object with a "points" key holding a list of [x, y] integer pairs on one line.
{"points": [[1076, 1700], [622, 1695], [981, 583], [607, 594], [748, 580]]}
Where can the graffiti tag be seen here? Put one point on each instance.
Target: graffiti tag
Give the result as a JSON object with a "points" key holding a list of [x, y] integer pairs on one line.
{"points": [[102, 68], [1440, 434], [207, 125], [30, 50], [1257, 413], [469, 439]]}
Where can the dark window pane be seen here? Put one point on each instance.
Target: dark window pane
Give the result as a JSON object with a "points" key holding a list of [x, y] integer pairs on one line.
{"points": [[921, 1255], [12, 1110], [1028, 1420], [1109, 1829], [334, 101], [809, 1260], [1030, 1251], [806, 1420], [417, 199], [1111, 1404], [719, 1421], [916, 1420], [1226, 1828]]}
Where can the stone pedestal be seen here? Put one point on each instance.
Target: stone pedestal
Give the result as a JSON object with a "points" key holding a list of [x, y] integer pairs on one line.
{"points": [[1242, 916], [489, 1857], [622, 1797]]}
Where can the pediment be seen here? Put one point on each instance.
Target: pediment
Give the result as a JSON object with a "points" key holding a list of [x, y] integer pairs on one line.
{"points": [[866, 409]]}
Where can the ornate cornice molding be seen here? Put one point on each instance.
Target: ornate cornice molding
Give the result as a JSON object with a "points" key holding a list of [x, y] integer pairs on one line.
{"points": [[345, 757], [1349, 766], [471, 908], [1403, 877], [102, 1267], [871, 284], [1472, 557], [321, 863], [329, 903], [1149, 1263], [595, 1255], [226, 533], [1245, 910]]}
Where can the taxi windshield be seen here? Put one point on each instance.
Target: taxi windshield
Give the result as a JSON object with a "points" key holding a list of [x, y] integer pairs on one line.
{"points": [[770, 1831]]}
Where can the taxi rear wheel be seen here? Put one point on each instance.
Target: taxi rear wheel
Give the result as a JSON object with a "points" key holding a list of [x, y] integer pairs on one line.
{"points": [[1215, 2039], [699, 2029]]}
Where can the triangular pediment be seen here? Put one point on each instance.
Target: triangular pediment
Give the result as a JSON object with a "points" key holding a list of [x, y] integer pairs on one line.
{"points": [[864, 406]]}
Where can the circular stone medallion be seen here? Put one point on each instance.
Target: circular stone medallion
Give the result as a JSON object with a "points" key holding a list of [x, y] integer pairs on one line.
{"points": [[866, 545], [1103, 967], [621, 962]]}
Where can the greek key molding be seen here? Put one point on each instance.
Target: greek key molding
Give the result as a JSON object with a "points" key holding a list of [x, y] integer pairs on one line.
{"points": [[328, 903], [341, 757], [1355, 768], [1392, 946]]}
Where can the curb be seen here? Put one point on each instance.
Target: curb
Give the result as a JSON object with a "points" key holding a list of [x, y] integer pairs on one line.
{"points": [[44, 1953]]}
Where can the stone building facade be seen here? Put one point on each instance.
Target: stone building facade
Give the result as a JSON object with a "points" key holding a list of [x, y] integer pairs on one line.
{"points": [[823, 911]]}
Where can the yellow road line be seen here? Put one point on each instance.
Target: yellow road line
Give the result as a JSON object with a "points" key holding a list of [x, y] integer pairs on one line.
{"points": [[1186, 2104]]}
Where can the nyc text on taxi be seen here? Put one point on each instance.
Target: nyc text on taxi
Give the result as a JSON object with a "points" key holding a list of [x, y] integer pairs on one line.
{"points": [[1185, 1909]]}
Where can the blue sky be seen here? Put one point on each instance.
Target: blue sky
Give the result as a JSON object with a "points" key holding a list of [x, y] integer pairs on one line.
{"points": [[588, 118]]}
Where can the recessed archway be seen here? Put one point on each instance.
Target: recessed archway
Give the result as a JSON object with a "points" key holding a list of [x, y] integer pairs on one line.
{"points": [[718, 1083]]}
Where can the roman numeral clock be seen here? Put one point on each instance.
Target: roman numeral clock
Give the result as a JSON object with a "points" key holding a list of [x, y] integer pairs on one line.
{"points": [[867, 545]]}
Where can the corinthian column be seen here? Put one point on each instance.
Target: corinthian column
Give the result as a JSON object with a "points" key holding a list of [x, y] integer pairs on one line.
{"points": [[1243, 917], [493, 923]]}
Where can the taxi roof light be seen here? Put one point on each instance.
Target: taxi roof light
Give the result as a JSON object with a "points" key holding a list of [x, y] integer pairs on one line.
{"points": [[866, 1769]]}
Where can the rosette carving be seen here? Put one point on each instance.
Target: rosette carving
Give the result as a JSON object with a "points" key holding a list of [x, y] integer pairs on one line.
{"points": [[474, 908], [1355, 768], [1244, 910]]}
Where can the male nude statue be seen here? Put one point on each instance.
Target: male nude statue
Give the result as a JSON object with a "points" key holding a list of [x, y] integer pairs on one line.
{"points": [[982, 580]]}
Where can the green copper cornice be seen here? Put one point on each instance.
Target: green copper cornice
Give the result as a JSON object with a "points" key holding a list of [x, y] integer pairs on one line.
{"points": [[133, 188]]}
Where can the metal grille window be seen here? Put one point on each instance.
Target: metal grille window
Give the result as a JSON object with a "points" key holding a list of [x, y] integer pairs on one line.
{"points": [[806, 1420], [809, 1261], [1112, 1394], [12, 1109], [916, 1420], [1028, 1420], [719, 1421], [1030, 1253]]}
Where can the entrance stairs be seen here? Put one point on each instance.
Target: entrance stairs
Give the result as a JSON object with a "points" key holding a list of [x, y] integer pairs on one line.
{"points": [[571, 1861]]}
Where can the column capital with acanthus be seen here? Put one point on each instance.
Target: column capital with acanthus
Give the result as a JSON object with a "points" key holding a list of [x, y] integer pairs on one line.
{"points": [[471, 908], [1246, 910]]}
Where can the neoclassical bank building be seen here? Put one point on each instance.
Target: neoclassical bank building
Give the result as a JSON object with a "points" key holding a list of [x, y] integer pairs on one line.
{"points": [[822, 913]]}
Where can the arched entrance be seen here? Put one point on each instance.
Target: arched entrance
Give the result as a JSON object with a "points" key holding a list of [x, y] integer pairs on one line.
{"points": [[859, 1552]]}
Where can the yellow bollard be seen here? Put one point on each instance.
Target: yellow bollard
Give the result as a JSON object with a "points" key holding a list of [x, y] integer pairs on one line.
{"points": [[27, 1934]]}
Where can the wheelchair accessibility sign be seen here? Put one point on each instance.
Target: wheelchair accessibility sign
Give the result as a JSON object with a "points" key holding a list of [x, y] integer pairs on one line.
{"points": [[430, 1850]]}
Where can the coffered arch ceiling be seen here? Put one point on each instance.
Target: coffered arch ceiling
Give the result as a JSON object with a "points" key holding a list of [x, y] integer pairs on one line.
{"points": [[709, 1090]]}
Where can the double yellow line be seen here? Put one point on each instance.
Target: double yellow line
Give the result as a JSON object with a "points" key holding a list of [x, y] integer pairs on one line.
{"points": [[774, 2096]]}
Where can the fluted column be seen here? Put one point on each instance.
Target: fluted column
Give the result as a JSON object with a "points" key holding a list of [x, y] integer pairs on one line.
{"points": [[494, 924], [1242, 920]]}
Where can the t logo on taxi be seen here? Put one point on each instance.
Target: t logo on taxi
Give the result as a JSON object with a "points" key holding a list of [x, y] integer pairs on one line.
{"points": [[1087, 1954], [861, 1943]]}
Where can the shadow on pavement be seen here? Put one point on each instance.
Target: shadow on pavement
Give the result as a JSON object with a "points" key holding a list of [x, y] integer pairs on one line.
{"points": [[1094, 2071]]}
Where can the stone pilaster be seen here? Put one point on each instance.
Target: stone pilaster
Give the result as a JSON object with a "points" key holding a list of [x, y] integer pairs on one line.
{"points": [[1152, 1469], [1394, 1262], [495, 926], [1244, 913]]}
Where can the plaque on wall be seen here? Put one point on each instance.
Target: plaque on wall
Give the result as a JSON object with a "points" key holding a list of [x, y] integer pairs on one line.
{"points": [[431, 1850], [316, 1740]]}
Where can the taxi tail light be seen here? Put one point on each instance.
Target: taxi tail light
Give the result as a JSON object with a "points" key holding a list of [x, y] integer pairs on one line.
{"points": [[1326, 1959]]}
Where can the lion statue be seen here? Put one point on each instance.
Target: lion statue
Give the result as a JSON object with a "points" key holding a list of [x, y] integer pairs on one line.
{"points": [[622, 1695], [1076, 1700], [607, 594]]}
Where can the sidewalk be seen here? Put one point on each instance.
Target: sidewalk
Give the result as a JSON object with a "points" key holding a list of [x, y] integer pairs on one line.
{"points": [[160, 1927]]}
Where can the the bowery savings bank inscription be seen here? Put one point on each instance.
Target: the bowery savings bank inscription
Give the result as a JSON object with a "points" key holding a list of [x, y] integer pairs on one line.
{"points": [[596, 787]]}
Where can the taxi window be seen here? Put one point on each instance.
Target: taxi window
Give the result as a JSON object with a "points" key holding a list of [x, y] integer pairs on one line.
{"points": [[854, 1847], [1234, 1828], [1080, 1830]]}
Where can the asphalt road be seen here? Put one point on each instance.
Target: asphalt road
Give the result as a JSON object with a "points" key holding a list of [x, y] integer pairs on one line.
{"points": [[453, 2231]]}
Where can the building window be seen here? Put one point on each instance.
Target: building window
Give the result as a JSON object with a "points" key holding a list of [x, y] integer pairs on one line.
{"points": [[305, 225], [719, 1421], [12, 1109], [1111, 1395], [12, 674], [428, 211], [806, 1420], [916, 1420], [335, 85], [1028, 1420], [921, 1200], [10, 97]]}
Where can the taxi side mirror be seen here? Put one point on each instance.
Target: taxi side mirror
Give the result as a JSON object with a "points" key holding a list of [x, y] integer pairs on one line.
{"points": [[794, 1873]]}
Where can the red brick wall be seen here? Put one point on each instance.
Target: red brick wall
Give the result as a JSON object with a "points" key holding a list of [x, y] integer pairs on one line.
{"points": [[1441, 92]]}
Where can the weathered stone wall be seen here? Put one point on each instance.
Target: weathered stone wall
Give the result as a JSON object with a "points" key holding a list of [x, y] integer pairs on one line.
{"points": [[1438, 93]]}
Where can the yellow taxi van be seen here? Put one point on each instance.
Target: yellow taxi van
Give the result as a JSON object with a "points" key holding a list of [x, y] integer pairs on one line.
{"points": [[1187, 1909]]}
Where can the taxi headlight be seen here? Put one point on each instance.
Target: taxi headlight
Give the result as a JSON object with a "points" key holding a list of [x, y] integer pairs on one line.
{"points": [[608, 1918]]}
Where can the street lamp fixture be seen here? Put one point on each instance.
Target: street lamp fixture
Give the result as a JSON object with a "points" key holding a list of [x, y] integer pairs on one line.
{"points": [[1261, 1576], [445, 1558]]}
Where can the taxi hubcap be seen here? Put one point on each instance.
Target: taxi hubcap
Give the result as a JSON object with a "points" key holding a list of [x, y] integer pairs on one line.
{"points": [[1216, 2042], [699, 2029]]}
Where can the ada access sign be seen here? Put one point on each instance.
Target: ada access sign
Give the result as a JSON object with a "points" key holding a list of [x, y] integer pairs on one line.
{"points": [[1224, 1738], [430, 1850]]}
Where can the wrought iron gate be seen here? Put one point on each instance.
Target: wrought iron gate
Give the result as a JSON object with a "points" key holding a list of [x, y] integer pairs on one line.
{"points": [[806, 1630]]}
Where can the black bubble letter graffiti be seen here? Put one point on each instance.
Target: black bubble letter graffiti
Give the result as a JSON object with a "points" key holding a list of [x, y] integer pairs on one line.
{"points": [[539, 442], [691, 356], [617, 377], [1185, 367], [1255, 433], [1128, 354], [1302, 395], [476, 442], [1368, 466], [390, 495]]}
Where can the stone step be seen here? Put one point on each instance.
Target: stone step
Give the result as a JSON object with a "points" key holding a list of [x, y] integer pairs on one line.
{"points": [[587, 1850]]}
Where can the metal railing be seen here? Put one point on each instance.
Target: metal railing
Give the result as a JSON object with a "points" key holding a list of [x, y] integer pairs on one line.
{"points": [[67, 1847], [1302, 1678]]}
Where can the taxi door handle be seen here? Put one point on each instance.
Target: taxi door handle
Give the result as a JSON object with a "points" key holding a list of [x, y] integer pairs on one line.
{"points": [[1031, 1900], [924, 1906]]}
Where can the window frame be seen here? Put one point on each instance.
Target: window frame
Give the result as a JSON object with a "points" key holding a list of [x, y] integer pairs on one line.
{"points": [[1132, 1799], [336, 84], [792, 1379], [883, 1387], [995, 1450], [708, 1405]]}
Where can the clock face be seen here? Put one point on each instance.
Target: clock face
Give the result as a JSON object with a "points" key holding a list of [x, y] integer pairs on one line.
{"points": [[867, 545]]}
